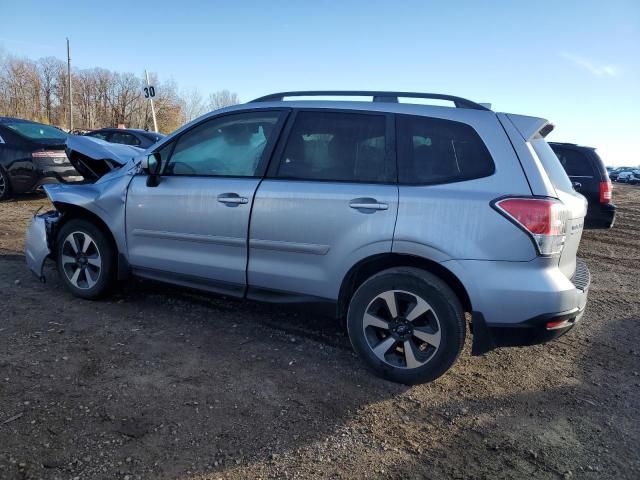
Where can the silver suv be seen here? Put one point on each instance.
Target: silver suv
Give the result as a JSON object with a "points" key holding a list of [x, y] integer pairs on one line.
{"points": [[412, 219]]}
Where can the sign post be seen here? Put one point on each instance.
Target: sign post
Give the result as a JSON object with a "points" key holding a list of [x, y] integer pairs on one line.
{"points": [[150, 92]]}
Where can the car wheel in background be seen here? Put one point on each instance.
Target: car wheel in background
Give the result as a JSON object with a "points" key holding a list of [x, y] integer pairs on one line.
{"points": [[407, 325], [5, 187]]}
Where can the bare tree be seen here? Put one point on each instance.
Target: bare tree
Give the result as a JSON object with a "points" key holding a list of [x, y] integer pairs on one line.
{"points": [[102, 98], [193, 104], [222, 98], [49, 68], [126, 94]]}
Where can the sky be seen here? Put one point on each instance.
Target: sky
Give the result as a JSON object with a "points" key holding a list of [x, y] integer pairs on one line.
{"points": [[576, 63]]}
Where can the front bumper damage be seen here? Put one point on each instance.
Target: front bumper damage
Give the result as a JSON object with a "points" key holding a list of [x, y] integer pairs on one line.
{"points": [[39, 241]]}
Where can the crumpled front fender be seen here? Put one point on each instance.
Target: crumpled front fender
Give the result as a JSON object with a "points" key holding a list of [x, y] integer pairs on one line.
{"points": [[38, 241], [105, 199]]}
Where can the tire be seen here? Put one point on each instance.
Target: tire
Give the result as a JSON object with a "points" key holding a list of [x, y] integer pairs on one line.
{"points": [[5, 186], [87, 269], [429, 317]]}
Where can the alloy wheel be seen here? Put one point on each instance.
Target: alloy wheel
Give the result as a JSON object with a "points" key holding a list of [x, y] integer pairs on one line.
{"points": [[81, 260], [401, 329]]}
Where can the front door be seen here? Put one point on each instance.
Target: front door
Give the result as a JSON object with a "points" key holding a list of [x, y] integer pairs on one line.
{"points": [[191, 229]]}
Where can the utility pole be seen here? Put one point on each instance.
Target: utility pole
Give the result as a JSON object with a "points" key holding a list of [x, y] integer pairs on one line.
{"points": [[69, 85], [153, 110]]}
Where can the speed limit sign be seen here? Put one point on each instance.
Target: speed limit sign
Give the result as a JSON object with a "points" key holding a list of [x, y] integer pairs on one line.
{"points": [[149, 92]]}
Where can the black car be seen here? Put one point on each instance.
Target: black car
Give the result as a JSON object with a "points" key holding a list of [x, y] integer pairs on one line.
{"points": [[589, 176], [32, 154], [127, 136]]}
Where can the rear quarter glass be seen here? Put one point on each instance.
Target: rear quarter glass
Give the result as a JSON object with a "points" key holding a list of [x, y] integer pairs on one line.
{"points": [[552, 165]]}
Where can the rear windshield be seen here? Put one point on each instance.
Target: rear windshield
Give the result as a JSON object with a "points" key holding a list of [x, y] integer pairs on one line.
{"points": [[575, 163], [154, 137], [552, 165], [37, 131]]}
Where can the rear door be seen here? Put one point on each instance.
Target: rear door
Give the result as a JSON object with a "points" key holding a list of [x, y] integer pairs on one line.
{"points": [[330, 198]]}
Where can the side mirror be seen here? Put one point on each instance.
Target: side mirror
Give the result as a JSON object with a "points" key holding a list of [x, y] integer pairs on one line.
{"points": [[152, 166]]}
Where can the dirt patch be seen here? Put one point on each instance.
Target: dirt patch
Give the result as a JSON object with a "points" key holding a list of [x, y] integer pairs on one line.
{"points": [[158, 382]]}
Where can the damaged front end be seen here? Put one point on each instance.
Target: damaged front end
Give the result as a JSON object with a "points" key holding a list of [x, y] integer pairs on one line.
{"points": [[93, 158], [108, 169], [38, 244]]}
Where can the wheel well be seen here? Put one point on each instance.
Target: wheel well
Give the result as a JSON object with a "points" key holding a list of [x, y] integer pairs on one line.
{"points": [[372, 265], [71, 212]]}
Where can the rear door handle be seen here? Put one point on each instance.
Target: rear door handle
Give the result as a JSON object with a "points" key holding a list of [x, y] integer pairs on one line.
{"points": [[367, 203], [232, 199]]}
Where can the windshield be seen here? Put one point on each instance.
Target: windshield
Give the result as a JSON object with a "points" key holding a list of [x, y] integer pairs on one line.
{"points": [[37, 131], [552, 165]]}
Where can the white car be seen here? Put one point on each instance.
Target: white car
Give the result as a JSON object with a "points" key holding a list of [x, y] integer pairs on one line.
{"points": [[634, 178], [624, 176]]}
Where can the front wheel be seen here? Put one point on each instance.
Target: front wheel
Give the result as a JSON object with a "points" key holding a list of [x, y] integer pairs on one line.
{"points": [[85, 259], [407, 325]]}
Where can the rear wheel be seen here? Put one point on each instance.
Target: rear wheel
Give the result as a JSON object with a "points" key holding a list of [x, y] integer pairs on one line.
{"points": [[5, 188], [407, 325], [85, 259]]}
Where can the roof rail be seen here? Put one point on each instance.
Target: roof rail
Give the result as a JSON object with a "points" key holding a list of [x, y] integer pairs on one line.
{"points": [[388, 97]]}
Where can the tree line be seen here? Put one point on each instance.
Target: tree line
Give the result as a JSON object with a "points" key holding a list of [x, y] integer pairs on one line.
{"points": [[38, 90]]}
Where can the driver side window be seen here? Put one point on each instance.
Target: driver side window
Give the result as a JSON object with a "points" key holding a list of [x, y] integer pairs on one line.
{"points": [[229, 146]]}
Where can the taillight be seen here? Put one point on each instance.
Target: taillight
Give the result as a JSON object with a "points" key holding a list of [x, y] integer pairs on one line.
{"points": [[544, 219], [57, 157], [605, 192]]}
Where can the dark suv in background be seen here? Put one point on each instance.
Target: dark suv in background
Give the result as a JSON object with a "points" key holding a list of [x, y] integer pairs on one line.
{"points": [[589, 176]]}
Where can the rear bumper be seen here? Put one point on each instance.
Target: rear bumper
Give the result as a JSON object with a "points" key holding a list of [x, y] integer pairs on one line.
{"points": [[600, 216], [51, 174], [539, 329], [44, 175]]}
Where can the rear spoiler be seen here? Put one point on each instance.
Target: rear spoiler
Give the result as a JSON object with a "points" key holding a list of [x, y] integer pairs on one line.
{"points": [[530, 127]]}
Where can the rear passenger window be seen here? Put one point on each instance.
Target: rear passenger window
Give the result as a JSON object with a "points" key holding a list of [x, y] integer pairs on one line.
{"points": [[432, 150], [332, 146], [574, 163]]}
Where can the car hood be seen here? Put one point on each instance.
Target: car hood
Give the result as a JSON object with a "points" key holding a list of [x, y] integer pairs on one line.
{"points": [[95, 158]]}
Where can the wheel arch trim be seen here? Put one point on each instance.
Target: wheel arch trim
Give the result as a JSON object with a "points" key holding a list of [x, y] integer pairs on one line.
{"points": [[71, 211], [371, 265]]}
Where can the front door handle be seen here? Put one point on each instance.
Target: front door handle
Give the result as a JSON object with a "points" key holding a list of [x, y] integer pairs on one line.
{"points": [[368, 204], [232, 199]]}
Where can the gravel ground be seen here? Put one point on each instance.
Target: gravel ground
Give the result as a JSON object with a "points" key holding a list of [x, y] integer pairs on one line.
{"points": [[159, 382]]}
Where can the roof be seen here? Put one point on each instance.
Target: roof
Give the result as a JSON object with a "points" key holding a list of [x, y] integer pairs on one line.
{"points": [[376, 96], [14, 120], [571, 145], [136, 130]]}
